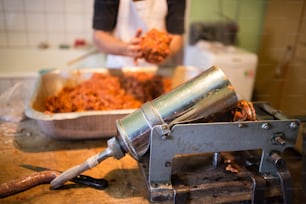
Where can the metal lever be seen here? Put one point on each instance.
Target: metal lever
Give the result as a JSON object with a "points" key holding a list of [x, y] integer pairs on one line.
{"points": [[284, 176]]}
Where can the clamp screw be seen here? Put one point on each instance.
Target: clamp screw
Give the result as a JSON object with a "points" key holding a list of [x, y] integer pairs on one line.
{"points": [[280, 140]]}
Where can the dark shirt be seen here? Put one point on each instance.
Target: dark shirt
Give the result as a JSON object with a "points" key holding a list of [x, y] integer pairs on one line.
{"points": [[105, 15]]}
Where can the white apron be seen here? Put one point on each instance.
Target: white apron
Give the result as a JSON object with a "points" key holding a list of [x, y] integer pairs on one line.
{"points": [[132, 15]]}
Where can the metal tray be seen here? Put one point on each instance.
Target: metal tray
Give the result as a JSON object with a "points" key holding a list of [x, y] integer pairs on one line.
{"points": [[88, 124]]}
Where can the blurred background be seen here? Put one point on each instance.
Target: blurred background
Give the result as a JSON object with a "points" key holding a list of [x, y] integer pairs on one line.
{"points": [[260, 44]]}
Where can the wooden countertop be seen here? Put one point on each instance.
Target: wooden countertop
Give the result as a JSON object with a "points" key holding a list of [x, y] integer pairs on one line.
{"points": [[24, 144]]}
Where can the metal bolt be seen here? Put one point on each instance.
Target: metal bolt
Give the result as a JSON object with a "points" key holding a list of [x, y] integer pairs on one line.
{"points": [[167, 164], [293, 125], [277, 159], [165, 128], [216, 159], [154, 185], [240, 125], [265, 126], [164, 131], [164, 137]]}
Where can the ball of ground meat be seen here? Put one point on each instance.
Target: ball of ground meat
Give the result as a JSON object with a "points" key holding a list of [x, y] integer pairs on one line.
{"points": [[155, 46]]}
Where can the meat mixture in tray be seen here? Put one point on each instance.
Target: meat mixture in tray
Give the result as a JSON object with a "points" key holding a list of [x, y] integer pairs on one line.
{"points": [[109, 92]]}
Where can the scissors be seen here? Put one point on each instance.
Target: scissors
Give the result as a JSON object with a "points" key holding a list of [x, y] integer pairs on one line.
{"points": [[99, 184]]}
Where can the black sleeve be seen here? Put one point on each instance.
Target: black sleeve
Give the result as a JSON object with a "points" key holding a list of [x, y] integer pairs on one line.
{"points": [[105, 14], [175, 20]]}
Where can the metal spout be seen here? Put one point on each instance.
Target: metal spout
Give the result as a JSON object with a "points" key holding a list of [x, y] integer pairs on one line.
{"points": [[113, 150]]}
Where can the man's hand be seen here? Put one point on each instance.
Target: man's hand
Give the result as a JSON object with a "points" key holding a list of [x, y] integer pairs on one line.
{"points": [[109, 44], [134, 47]]}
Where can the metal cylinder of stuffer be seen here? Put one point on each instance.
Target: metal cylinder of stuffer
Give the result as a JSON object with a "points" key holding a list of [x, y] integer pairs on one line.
{"points": [[207, 94]]}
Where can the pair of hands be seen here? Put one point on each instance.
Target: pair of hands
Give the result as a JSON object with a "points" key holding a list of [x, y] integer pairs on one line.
{"points": [[136, 50], [154, 46]]}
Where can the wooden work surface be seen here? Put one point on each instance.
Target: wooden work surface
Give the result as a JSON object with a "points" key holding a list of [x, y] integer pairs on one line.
{"points": [[23, 143]]}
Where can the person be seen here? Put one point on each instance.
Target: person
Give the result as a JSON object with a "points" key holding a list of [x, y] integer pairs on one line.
{"points": [[119, 24]]}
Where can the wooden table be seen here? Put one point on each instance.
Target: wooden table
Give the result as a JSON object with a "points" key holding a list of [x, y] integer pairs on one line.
{"points": [[23, 143]]}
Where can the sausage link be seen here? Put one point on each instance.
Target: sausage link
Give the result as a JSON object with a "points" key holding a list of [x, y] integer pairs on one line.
{"points": [[22, 184]]}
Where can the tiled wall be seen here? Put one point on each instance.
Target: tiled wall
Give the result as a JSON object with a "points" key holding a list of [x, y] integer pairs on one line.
{"points": [[29, 23]]}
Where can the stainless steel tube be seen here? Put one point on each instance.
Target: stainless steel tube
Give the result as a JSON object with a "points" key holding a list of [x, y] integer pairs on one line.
{"points": [[201, 97]]}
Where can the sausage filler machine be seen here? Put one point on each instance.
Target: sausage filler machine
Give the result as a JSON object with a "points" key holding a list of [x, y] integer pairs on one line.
{"points": [[198, 142]]}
